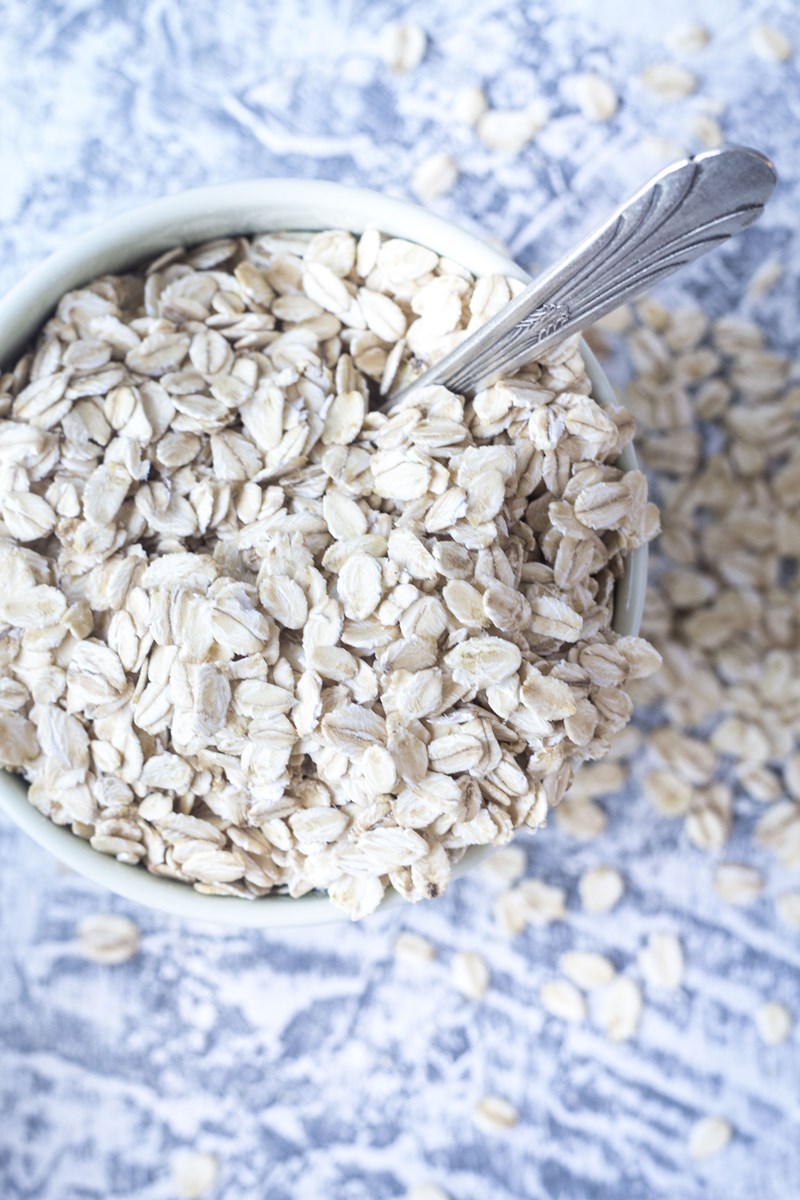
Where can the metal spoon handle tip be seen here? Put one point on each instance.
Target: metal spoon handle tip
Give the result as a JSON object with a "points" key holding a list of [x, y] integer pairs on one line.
{"points": [[681, 213]]}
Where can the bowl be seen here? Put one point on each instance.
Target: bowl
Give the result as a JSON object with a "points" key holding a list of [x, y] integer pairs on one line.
{"points": [[197, 216]]}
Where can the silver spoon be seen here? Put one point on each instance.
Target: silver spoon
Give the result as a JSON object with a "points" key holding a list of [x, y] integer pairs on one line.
{"points": [[683, 211]]}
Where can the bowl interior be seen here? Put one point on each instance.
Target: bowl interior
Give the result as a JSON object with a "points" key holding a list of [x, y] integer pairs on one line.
{"points": [[198, 216]]}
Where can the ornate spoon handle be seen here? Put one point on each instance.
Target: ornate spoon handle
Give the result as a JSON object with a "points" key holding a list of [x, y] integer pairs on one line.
{"points": [[685, 210]]}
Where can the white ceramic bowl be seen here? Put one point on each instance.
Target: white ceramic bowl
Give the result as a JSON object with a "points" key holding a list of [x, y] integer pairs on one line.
{"points": [[197, 216]]}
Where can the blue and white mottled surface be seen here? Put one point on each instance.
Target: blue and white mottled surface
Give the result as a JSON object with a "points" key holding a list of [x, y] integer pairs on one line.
{"points": [[312, 1065]]}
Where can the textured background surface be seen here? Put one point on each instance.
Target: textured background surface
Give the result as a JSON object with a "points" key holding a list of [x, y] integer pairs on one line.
{"points": [[313, 1066]]}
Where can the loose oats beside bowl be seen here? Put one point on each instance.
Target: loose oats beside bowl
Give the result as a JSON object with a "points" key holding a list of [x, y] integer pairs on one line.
{"points": [[257, 636]]}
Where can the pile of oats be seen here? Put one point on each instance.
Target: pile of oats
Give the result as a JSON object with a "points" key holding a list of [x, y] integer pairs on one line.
{"points": [[719, 415], [257, 635]]}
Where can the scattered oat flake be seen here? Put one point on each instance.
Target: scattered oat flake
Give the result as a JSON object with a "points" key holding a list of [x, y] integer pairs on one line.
{"points": [[598, 779], [708, 132], [581, 818], [427, 1191], [669, 81], [620, 1009], [687, 39], [765, 278], [788, 909], [469, 104], [774, 1023], [587, 969], [708, 825], [507, 864], [106, 938], [709, 1136], [560, 998], [661, 961], [403, 46], [664, 149], [470, 974], [543, 901], [791, 775], [511, 911], [771, 43], [692, 758], [493, 1114], [508, 130], [413, 948], [596, 97], [193, 1173], [736, 883], [668, 793], [600, 889], [434, 176], [532, 902]]}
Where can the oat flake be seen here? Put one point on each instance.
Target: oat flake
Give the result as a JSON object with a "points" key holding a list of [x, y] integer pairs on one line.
{"points": [[774, 1023], [470, 974], [600, 889], [105, 938], [193, 1173], [709, 1136], [493, 1114]]}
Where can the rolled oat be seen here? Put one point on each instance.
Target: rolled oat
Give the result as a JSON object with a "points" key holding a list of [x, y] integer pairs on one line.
{"points": [[788, 908], [620, 1008], [562, 999], [736, 883], [264, 637], [600, 889], [470, 974], [434, 176], [427, 1191], [404, 46], [508, 130], [469, 104], [194, 1174], [596, 97], [771, 43], [493, 1114], [709, 1136], [661, 961], [688, 39], [774, 1023], [533, 902], [669, 81], [412, 948], [581, 818], [587, 969], [105, 938], [507, 864]]}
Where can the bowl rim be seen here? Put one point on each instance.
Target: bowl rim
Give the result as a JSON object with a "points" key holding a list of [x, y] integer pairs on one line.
{"points": [[197, 215]]}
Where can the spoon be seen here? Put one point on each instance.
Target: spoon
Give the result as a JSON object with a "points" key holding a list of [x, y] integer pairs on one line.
{"points": [[683, 211]]}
